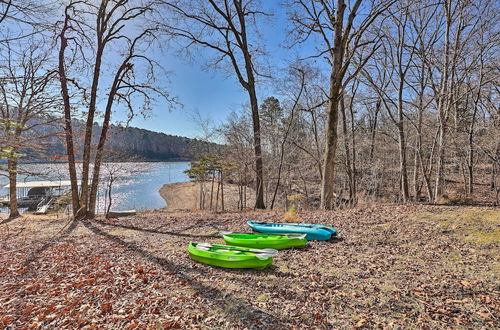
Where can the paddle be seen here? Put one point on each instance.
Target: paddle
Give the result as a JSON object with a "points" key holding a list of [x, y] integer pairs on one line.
{"points": [[265, 253], [284, 234]]}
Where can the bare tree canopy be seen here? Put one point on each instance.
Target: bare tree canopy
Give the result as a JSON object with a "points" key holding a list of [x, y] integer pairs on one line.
{"points": [[228, 29], [133, 76]]}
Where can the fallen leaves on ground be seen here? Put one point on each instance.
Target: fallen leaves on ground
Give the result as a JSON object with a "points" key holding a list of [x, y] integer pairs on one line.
{"points": [[390, 267]]}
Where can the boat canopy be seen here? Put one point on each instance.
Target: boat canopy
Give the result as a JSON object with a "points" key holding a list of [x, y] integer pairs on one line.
{"points": [[43, 184]]}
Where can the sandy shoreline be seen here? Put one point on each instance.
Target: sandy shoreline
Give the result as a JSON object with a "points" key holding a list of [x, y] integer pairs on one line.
{"points": [[186, 196]]}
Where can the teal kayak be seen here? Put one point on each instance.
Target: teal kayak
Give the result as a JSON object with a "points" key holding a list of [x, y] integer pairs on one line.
{"points": [[231, 256], [312, 231], [274, 241]]}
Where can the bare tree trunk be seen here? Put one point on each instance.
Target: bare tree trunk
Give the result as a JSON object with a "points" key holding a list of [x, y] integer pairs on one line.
{"points": [[402, 149], [68, 129], [416, 171], [240, 190], [201, 195], [444, 103], [285, 137], [122, 71], [212, 191], [354, 200], [327, 188], [341, 38], [374, 128], [245, 188], [347, 150], [217, 195], [259, 180], [12, 171], [110, 187], [222, 189]]}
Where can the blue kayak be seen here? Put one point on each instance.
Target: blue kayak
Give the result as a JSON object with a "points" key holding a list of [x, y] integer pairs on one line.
{"points": [[312, 231]]}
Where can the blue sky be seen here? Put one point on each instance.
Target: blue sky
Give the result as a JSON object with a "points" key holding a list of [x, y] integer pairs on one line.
{"points": [[213, 94]]}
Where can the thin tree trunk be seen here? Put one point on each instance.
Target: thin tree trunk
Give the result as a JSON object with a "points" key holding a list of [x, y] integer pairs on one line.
{"points": [[347, 149], [222, 189], [354, 167], [402, 150], [282, 146], [12, 171], [124, 67], [259, 180], [212, 191], [68, 129], [85, 199], [444, 104], [416, 171], [217, 195], [374, 129], [110, 186]]}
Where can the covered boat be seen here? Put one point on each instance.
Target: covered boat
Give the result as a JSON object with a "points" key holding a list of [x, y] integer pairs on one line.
{"points": [[312, 231], [274, 241], [231, 256]]}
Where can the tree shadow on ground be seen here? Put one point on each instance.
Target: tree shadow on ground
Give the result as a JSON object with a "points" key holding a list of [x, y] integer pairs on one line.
{"points": [[9, 219], [154, 231], [235, 309], [61, 235], [10, 236], [199, 223]]}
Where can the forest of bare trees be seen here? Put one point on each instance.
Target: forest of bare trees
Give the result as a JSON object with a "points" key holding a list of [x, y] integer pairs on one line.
{"points": [[410, 111], [383, 100]]}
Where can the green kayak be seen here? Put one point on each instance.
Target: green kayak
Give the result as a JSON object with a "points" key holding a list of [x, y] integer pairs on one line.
{"points": [[231, 256], [274, 241]]}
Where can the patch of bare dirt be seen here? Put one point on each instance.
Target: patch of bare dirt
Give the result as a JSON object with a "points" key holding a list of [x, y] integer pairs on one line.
{"points": [[186, 196]]}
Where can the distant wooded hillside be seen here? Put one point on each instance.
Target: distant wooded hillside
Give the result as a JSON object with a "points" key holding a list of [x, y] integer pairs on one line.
{"points": [[124, 144]]}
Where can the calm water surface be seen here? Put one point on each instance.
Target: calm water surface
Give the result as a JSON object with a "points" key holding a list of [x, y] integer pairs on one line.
{"points": [[136, 185]]}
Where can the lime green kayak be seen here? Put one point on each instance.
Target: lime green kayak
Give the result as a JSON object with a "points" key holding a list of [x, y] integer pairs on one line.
{"points": [[231, 256], [274, 241]]}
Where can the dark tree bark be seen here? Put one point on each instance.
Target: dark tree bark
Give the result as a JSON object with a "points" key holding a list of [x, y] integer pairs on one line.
{"points": [[68, 128], [12, 169]]}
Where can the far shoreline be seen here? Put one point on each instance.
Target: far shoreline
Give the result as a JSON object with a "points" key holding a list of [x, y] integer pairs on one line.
{"points": [[123, 161], [182, 196]]}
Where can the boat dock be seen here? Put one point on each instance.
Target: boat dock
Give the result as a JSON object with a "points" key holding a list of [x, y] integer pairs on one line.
{"points": [[38, 196]]}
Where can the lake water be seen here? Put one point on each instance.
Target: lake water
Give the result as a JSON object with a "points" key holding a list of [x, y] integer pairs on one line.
{"points": [[136, 185]]}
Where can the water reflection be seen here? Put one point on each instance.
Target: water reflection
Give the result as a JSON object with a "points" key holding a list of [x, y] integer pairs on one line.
{"points": [[134, 185]]}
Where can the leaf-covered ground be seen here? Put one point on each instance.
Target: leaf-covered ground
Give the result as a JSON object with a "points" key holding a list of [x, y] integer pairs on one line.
{"points": [[411, 266]]}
